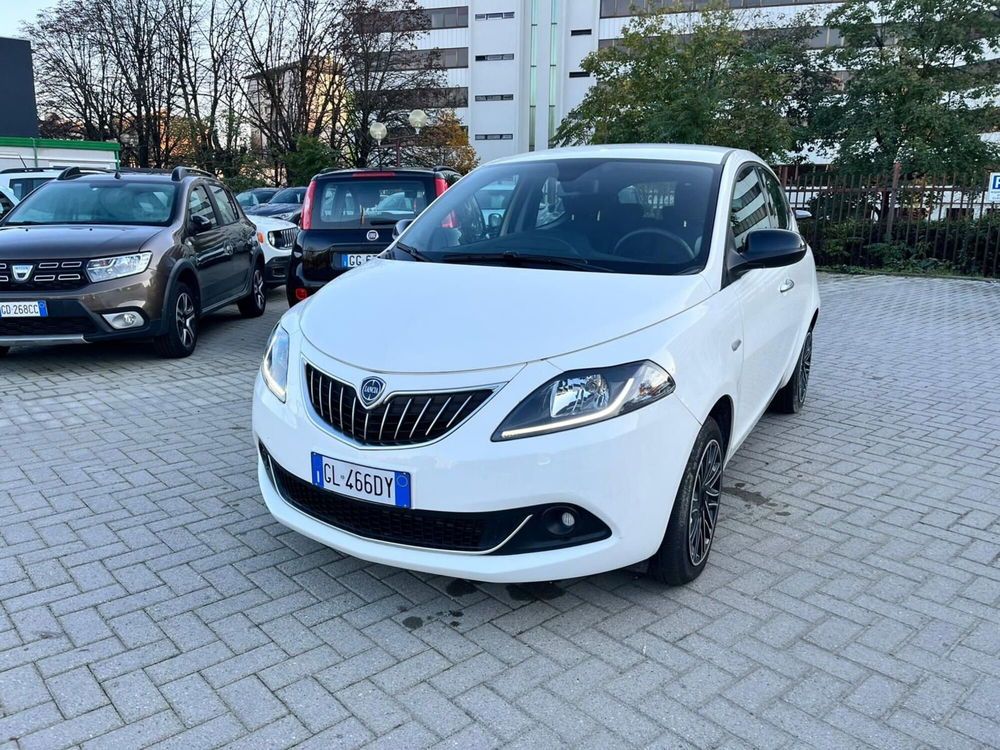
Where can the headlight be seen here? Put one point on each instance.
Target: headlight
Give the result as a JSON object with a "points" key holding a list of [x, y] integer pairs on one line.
{"points": [[583, 397], [272, 239], [274, 368], [285, 216], [105, 269]]}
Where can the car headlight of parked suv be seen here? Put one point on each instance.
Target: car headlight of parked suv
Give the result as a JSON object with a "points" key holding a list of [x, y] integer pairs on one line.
{"points": [[105, 269], [275, 365], [582, 397]]}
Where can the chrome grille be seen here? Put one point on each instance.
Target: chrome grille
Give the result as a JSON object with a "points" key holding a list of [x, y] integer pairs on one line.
{"points": [[46, 275], [403, 419]]}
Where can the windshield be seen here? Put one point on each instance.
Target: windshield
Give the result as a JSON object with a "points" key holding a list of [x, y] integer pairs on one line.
{"points": [[289, 195], [254, 197], [368, 201], [623, 216], [104, 202]]}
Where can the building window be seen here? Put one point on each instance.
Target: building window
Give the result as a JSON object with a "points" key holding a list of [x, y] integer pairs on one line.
{"points": [[579, 74], [427, 19], [435, 98], [581, 32], [493, 58], [494, 97], [416, 59], [495, 137], [494, 16]]}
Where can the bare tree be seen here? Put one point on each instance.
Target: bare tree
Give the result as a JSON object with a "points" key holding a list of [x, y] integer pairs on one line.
{"points": [[383, 70]]}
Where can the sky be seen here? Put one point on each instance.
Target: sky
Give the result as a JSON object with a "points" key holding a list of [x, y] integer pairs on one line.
{"points": [[13, 12]]}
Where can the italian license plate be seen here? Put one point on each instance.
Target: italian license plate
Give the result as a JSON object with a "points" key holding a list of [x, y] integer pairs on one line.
{"points": [[361, 482], [23, 310], [352, 260]]}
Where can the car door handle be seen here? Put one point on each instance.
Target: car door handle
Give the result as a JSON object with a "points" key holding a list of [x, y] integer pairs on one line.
{"points": [[786, 286]]}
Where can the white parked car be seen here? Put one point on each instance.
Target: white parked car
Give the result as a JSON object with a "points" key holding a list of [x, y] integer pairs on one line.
{"points": [[22, 181], [276, 238], [553, 395]]}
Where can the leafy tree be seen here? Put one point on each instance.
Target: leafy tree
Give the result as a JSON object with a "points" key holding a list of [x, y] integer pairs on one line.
{"points": [[919, 88], [702, 81], [311, 156], [443, 142]]}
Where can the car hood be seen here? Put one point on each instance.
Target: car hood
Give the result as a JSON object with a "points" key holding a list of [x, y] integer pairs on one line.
{"points": [[396, 316], [71, 241], [270, 209], [268, 224]]}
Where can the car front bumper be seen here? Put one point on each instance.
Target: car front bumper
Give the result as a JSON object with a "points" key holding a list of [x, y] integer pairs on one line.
{"points": [[624, 471], [77, 315]]}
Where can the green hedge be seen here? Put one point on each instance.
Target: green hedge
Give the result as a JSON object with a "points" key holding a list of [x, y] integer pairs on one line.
{"points": [[963, 246]]}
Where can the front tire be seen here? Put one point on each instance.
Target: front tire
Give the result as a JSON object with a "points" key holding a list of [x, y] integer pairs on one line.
{"points": [[254, 304], [789, 400], [687, 542], [181, 336]]}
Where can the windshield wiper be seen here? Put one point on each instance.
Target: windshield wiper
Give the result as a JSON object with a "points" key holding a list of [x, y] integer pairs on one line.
{"points": [[412, 252], [513, 258]]}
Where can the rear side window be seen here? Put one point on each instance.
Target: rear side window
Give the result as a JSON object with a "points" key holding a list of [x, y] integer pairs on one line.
{"points": [[779, 206], [368, 201], [200, 205], [227, 214], [21, 187]]}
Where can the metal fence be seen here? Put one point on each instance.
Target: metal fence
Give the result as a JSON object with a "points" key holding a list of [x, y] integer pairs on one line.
{"points": [[940, 223]]}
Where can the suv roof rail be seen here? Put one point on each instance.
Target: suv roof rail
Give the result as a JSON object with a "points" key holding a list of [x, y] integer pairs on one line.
{"points": [[180, 173], [70, 172], [445, 168], [11, 170]]}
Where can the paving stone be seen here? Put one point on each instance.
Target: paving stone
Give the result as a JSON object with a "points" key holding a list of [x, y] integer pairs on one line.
{"points": [[850, 599]]}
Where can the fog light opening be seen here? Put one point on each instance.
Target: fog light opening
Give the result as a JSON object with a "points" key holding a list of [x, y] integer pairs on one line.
{"points": [[124, 320], [560, 521]]}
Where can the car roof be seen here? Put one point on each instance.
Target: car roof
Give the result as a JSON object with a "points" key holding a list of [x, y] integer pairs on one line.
{"points": [[653, 151], [394, 171]]}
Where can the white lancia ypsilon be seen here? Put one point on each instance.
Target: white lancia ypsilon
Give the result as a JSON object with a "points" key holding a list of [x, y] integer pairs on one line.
{"points": [[544, 376]]}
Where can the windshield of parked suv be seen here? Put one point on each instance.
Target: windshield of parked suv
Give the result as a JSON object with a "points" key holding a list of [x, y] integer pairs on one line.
{"points": [[289, 195], [251, 198], [623, 216], [105, 202], [367, 201]]}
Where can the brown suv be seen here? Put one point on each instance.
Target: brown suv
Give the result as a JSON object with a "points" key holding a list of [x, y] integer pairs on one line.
{"points": [[96, 255]]}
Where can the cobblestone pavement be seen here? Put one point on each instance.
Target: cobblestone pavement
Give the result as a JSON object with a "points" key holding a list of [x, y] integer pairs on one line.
{"points": [[851, 600]]}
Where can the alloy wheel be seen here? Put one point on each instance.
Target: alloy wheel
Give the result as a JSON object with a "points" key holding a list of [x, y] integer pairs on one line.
{"points": [[186, 320], [805, 364], [705, 498], [258, 288]]}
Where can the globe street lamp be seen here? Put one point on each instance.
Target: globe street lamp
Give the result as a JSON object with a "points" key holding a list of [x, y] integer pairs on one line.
{"points": [[378, 131]]}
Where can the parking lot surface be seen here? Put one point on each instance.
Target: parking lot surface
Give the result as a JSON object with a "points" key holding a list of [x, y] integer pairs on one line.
{"points": [[851, 598]]}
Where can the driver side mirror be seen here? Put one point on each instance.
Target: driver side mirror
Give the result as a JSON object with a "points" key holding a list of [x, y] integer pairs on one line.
{"points": [[200, 224], [770, 248], [400, 226]]}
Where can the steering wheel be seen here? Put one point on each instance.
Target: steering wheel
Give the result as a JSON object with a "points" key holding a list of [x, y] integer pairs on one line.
{"points": [[684, 246]]}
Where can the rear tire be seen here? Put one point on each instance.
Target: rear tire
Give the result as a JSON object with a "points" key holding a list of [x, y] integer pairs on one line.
{"points": [[789, 399], [181, 336], [687, 542], [254, 304]]}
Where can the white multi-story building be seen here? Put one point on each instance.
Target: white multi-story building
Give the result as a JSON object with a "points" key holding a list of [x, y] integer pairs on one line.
{"points": [[513, 66]]}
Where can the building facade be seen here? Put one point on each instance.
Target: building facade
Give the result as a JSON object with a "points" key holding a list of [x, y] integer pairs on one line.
{"points": [[513, 66]]}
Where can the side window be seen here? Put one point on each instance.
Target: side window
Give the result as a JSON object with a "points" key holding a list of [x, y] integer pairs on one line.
{"points": [[5, 205], [200, 205], [227, 214], [749, 207], [779, 205]]}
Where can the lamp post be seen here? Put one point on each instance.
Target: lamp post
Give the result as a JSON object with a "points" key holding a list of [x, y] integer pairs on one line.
{"points": [[417, 119]]}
